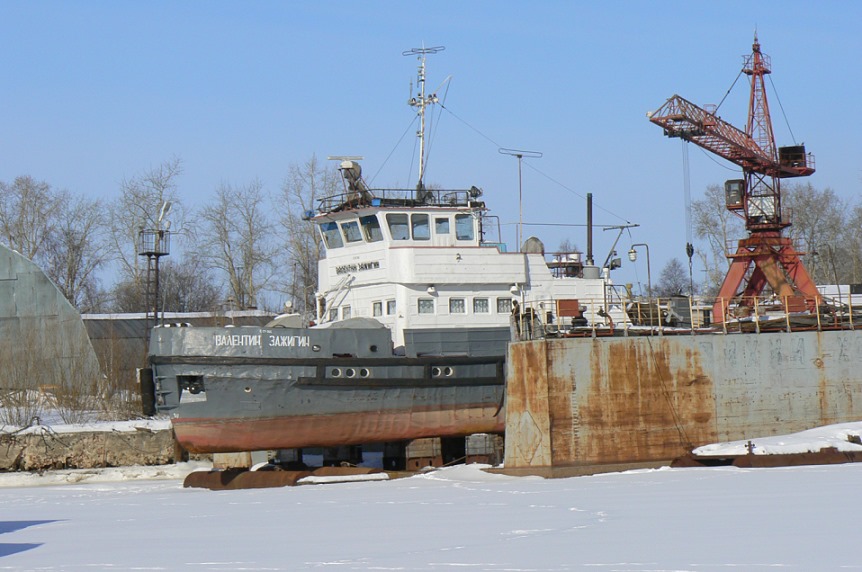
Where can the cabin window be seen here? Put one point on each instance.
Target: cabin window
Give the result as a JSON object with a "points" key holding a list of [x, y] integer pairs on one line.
{"points": [[351, 231], [426, 305], [345, 312], [398, 226], [441, 225], [333, 314], [390, 307], [377, 309], [421, 228], [480, 305], [504, 305], [331, 236], [371, 228], [464, 227], [457, 306]]}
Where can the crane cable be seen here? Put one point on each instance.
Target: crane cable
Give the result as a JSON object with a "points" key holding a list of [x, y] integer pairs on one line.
{"points": [[686, 185]]}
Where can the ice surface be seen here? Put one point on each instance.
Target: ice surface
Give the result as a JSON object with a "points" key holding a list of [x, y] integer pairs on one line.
{"points": [[459, 518]]}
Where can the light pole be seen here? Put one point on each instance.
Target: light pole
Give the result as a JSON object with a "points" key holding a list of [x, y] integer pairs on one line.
{"points": [[154, 243], [520, 154], [633, 255]]}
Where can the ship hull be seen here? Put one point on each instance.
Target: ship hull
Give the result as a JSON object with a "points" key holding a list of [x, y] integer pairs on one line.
{"points": [[200, 435], [229, 390]]}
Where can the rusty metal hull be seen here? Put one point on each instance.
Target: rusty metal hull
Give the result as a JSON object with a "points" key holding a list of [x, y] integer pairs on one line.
{"points": [[347, 428], [592, 401]]}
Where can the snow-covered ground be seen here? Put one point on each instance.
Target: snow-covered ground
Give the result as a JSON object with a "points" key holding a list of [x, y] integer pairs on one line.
{"points": [[801, 518], [460, 518]]}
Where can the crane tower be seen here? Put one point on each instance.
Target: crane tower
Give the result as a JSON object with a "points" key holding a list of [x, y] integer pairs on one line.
{"points": [[765, 257]]}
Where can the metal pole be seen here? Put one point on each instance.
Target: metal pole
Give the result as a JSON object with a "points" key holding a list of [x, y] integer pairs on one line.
{"points": [[520, 204], [520, 154], [649, 275]]}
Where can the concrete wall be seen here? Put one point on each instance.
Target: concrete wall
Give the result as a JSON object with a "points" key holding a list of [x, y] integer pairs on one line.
{"points": [[585, 401], [41, 449]]}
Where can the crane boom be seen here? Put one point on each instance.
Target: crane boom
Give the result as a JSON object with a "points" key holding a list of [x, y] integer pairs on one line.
{"points": [[681, 118]]}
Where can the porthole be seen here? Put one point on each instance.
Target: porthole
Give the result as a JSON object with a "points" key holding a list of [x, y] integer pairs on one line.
{"points": [[364, 372], [435, 372], [350, 372], [336, 372], [448, 371], [315, 348], [373, 349], [247, 389]]}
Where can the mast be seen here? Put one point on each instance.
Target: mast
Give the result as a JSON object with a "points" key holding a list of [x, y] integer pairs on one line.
{"points": [[420, 101]]}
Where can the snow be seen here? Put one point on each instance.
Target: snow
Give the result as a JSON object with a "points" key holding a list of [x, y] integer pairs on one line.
{"points": [[458, 518], [113, 426], [838, 436]]}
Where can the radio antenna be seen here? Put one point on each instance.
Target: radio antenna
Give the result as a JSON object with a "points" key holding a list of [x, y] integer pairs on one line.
{"points": [[420, 101]]}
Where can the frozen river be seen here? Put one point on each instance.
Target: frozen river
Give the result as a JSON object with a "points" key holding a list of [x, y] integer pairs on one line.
{"points": [[802, 518]]}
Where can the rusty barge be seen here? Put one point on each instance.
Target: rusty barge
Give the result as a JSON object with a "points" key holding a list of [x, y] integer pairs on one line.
{"points": [[647, 399]]}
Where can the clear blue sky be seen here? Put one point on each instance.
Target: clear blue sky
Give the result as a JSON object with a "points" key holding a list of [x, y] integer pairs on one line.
{"points": [[94, 92]]}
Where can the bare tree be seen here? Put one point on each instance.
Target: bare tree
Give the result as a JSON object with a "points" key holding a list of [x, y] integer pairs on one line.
{"points": [[720, 228], [138, 207], [849, 246], [184, 286], [28, 214], [674, 279], [76, 250], [304, 186], [818, 219], [187, 286], [236, 240], [567, 246]]}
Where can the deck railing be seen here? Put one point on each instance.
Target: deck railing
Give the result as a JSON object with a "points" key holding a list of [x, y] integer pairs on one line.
{"points": [[626, 316]]}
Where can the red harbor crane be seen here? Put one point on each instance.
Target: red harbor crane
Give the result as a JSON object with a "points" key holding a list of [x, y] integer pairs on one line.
{"points": [[765, 257]]}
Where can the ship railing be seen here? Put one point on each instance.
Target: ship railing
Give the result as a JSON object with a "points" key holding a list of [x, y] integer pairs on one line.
{"points": [[789, 313], [635, 316], [537, 319], [400, 198]]}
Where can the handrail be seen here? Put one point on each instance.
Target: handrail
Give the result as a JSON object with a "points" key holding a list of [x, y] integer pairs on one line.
{"points": [[631, 316]]}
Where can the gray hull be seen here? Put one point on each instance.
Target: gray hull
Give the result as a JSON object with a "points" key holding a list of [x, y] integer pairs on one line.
{"points": [[240, 389]]}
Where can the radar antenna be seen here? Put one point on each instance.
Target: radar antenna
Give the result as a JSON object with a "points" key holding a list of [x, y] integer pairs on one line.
{"points": [[420, 101]]}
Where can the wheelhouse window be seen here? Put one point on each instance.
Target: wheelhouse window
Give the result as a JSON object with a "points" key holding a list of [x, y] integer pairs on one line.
{"points": [[421, 228], [480, 306], [457, 306], [351, 231], [371, 228], [345, 312], [398, 226], [464, 227], [331, 236], [333, 314], [441, 225], [390, 307], [426, 305], [504, 305], [377, 309]]}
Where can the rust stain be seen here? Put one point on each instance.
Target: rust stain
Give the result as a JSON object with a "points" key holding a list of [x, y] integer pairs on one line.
{"points": [[619, 399], [244, 434]]}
